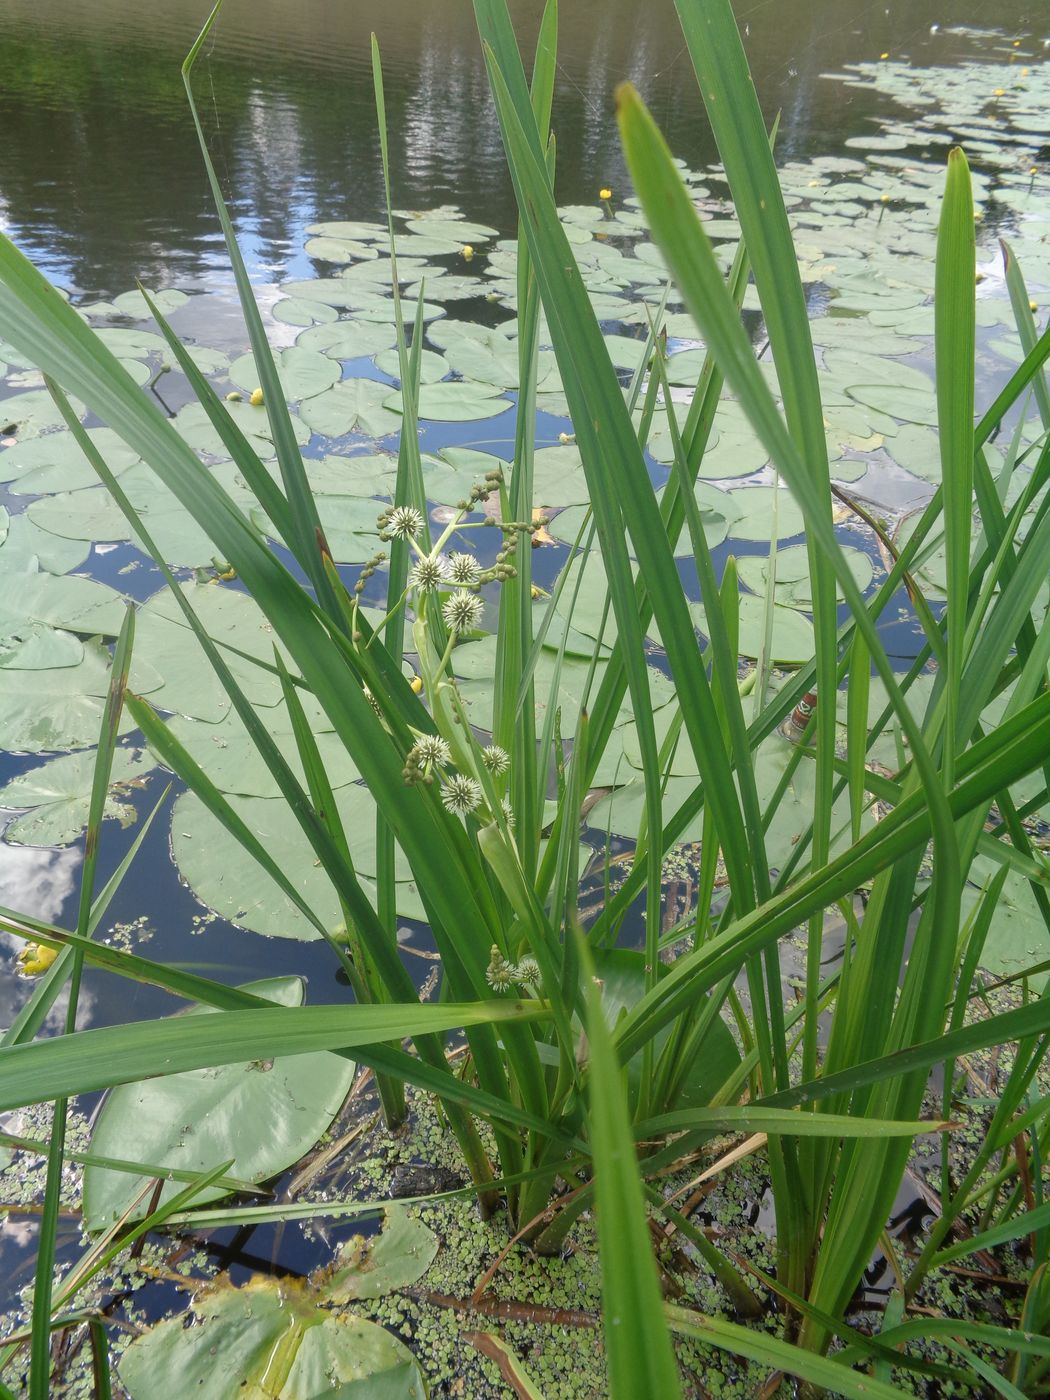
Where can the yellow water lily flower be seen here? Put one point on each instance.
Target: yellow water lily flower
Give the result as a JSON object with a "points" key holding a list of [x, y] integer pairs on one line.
{"points": [[257, 398], [417, 684], [883, 55], [605, 192], [36, 959], [468, 251]]}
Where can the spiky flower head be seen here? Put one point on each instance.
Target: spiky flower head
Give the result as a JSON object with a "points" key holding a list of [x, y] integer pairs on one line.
{"points": [[496, 760], [508, 812], [464, 569], [461, 795], [528, 971], [500, 973], [428, 573], [430, 751], [404, 522], [462, 611]]}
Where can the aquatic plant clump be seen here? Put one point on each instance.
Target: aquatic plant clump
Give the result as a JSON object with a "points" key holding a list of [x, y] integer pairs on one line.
{"points": [[451, 730]]}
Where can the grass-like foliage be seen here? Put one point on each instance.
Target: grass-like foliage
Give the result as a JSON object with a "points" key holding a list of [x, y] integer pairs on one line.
{"points": [[594, 1065]]}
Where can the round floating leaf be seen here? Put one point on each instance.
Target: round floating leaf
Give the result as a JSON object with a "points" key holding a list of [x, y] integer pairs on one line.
{"points": [[303, 373], [224, 877], [75, 603], [264, 1115], [195, 426], [558, 477], [906, 402], [455, 401], [29, 414], [793, 586], [134, 303], [28, 546], [57, 794], [432, 366], [753, 519], [33, 646], [349, 340], [459, 230], [296, 311], [61, 709], [368, 1268], [793, 641], [165, 647], [352, 406], [239, 1332]]}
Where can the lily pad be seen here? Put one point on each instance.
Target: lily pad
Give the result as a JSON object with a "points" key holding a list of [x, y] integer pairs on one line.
{"points": [[352, 406], [348, 340], [269, 1341], [793, 585], [303, 373], [368, 1268], [455, 401], [57, 793], [264, 1115]]}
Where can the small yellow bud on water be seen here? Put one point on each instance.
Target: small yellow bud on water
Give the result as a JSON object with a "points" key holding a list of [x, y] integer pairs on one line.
{"points": [[417, 685], [605, 192], [257, 398], [468, 251], [36, 959], [566, 438], [234, 397], [1000, 92], [884, 55], [884, 199], [1033, 306]]}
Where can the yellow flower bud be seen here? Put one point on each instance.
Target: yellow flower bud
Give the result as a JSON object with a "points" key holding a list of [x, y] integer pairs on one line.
{"points": [[884, 55], [1033, 306], [605, 192], [468, 251], [234, 397], [1000, 92], [257, 398], [417, 685], [36, 959]]}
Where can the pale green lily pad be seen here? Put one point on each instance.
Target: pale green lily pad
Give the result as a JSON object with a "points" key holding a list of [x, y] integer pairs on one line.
{"points": [[455, 401], [558, 477], [195, 426], [754, 514], [1018, 938], [432, 366], [296, 311], [134, 303], [264, 1114], [28, 546], [368, 1268], [33, 412], [56, 462], [71, 602], [911, 404], [61, 709], [481, 353], [231, 760], [793, 586], [303, 373], [349, 340], [352, 406], [793, 640], [227, 879], [238, 1333], [33, 646], [165, 647], [56, 796], [459, 231]]}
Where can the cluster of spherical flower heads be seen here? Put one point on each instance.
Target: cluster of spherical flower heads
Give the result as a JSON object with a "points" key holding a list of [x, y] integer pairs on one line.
{"points": [[431, 756]]}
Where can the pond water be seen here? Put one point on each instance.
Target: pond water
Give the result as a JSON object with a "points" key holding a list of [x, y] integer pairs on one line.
{"points": [[102, 184]]}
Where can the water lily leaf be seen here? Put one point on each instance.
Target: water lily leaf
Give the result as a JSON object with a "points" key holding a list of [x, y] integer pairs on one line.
{"points": [[303, 373], [754, 513], [268, 1341], [297, 311], [87, 514], [72, 602], [349, 340], [793, 585], [365, 230], [432, 366], [195, 426], [455, 401], [55, 462], [4, 522], [621, 972], [29, 414], [481, 353], [906, 402], [57, 794], [167, 651], [264, 1115], [28, 546], [368, 1268], [352, 406], [339, 250], [61, 709], [134, 303], [225, 878], [33, 646], [1018, 937], [460, 230], [793, 641], [558, 477]]}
